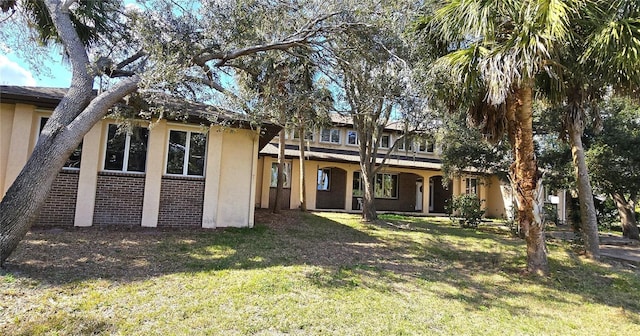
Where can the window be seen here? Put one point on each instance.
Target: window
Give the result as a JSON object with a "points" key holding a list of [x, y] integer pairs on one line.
{"points": [[430, 146], [405, 144], [126, 151], [187, 153], [472, 186], [324, 179], [330, 135], [386, 186], [286, 174], [73, 161], [358, 185], [385, 141], [308, 135], [352, 138]]}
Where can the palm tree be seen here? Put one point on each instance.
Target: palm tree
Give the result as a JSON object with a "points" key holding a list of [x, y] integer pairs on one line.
{"points": [[495, 50], [603, 53]]}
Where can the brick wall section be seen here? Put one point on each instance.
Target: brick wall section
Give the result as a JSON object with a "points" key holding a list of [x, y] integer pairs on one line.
{"points": [[60, 206], [119, 199], [181, 201]]}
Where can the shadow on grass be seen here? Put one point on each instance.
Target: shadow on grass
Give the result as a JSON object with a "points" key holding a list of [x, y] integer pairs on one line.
{"points": [[454, 263]]}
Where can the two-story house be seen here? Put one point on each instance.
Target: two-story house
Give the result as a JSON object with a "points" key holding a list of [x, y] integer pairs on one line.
{"points": [[411, 180]]}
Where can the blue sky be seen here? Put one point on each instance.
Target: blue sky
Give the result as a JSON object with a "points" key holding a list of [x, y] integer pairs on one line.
{"points": [[15, 71]]}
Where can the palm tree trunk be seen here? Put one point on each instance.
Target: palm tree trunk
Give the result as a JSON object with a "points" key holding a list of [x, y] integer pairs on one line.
{"points": [[588, 220], [626, 210], [277, 204], [524, 172], [303, 188]]}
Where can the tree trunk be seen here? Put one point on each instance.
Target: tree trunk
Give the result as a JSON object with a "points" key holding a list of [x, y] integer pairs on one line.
{"points": [[626, 210], [524, 172], [369, 212], [22, 202], [303, 188], [588, 220], [277, 206]]}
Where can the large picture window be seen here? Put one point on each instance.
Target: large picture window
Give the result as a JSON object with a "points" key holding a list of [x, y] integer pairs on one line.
{"points": [[126, 151], [330, 135], [73, 162], [324, 179], [386, 186], [286, 175], [187, 153]]}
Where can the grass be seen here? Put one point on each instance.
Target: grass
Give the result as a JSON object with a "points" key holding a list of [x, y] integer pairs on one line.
{"points": [[308, 274]]}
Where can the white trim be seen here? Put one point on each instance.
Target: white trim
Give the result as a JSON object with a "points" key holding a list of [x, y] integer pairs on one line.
{"points": [[330, 131], [357, 138], [187, 149], [125, 158]]}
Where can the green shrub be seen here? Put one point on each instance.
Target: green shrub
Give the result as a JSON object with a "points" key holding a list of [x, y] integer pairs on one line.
{"points": [[465, 209]]}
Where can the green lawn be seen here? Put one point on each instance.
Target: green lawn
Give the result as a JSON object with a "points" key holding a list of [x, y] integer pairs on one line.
{"points": [[309, 274]]}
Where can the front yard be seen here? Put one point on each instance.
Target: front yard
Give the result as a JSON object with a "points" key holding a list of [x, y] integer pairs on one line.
{"points": [[309, 274]]}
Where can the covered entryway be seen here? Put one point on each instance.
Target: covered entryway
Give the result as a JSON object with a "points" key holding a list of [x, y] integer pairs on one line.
{"points": [[439, 196], [331, 188]]}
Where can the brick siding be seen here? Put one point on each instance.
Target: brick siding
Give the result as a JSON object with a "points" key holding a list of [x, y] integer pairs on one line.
{"points": [[181, 201], [119, 199], [60, 207]]}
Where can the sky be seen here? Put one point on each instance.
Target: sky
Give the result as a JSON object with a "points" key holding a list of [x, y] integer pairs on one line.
{"points": [[15, 71]]}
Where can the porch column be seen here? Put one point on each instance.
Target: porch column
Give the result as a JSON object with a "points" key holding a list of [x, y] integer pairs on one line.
{"points": [[426, 195], [88, 177], [294, 199], [19, 146], [348, 201], [154, 171], [266, 181]]}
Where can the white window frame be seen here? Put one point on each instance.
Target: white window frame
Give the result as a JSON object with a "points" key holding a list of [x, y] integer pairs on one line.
{"points": [[309, 135], [388, 142], [357, 138], [125, 158], [331, 131], [187, 149], [358, 192]]}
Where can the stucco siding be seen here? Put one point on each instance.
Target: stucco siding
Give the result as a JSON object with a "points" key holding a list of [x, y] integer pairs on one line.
{"points": [[234, 202]]}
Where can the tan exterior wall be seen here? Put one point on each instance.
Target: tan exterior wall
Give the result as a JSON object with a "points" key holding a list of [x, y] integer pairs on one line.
{"points": [[235, 202], [490, 195], [6, 125], [494, 201], [229, 188]]}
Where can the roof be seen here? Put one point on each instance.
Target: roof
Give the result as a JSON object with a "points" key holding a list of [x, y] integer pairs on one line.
{"points": [[45, 97], [347, 120], [352, 156], [39, 96]]}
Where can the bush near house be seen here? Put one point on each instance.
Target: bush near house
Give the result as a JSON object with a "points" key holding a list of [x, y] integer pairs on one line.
{"points": [[466, 210]]}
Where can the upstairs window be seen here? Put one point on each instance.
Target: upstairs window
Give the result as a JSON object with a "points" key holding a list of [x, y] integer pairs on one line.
{"points": [[308, 135], [405, 144], [330, 135], [73, 162], [126, 151], [352, 138], [187, 153], [385, 141]]}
